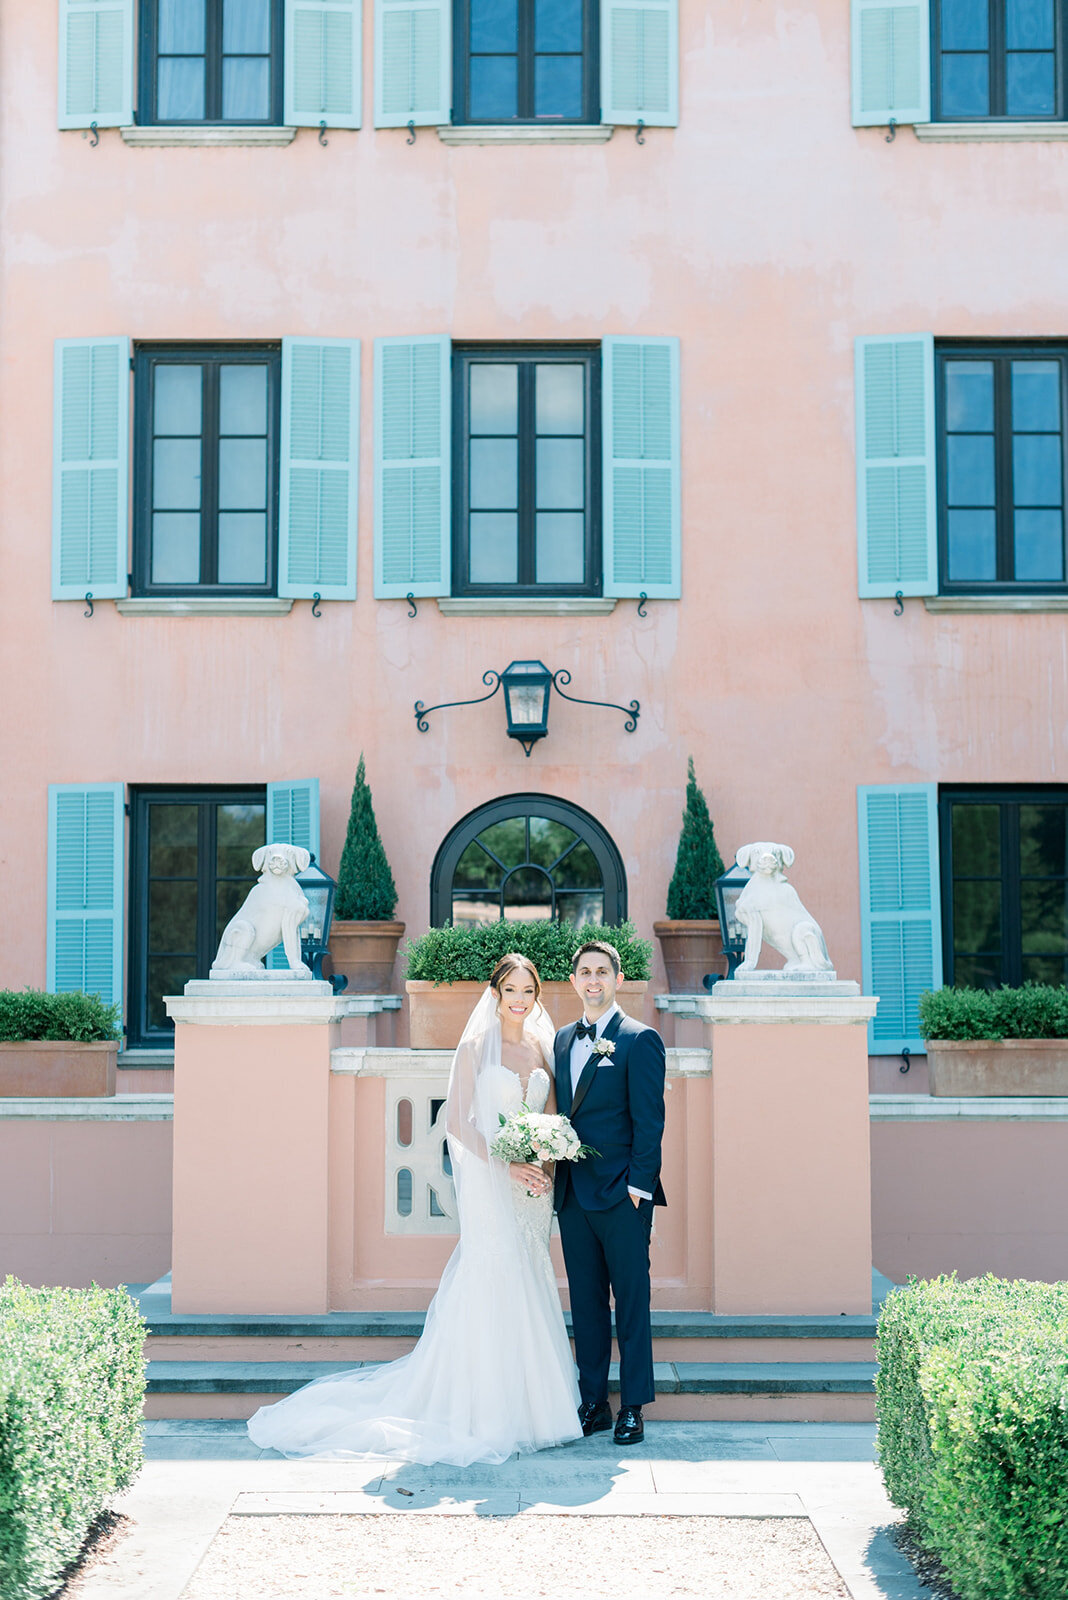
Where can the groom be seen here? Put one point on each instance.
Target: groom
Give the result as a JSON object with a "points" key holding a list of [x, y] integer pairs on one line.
{"points": [[610, 1082]]}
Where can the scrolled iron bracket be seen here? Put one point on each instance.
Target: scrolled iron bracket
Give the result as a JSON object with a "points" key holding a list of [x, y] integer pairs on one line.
{"points": [[422, 711], [316, 597], [323, 140], [899, 604], [631, 712], [88, 605], [642, 598], [639, 132], [411, 133], [95, 139], [892, 135], [905, 1061], [413, 609]]}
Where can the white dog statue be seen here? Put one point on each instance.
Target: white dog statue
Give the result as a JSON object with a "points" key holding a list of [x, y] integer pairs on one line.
{"points": [[272, 913], [770, 909]]}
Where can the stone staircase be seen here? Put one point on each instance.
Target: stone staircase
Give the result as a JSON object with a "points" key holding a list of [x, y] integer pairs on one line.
{"points": [[708, 1367]]}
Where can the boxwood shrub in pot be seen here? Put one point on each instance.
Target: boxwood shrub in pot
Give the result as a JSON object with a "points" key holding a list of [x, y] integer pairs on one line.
{"points": [[364, 936], [1007, 1041], [690, 941], [57, 1044]]}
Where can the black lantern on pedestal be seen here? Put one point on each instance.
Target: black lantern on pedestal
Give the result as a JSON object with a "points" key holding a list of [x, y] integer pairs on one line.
{"points": [[318, 889], [526, 686], [728, 888]]}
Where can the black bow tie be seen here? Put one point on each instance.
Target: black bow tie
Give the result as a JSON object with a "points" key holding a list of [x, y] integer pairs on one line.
{"points": [[586, 1030]]}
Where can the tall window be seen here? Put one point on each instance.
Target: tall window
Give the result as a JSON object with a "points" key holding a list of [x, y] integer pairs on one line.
{"points": [[1003, 467], [1005, 885], [999, 58], [191, 870], [526, 61], [206, 469], [211, 61], [527, 455]]}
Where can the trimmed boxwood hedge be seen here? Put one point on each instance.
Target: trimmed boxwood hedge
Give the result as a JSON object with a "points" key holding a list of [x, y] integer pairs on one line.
{"points": [[972, 1407], [72, 1386], [27, 1014], [1033, 1011], [458, 955]]}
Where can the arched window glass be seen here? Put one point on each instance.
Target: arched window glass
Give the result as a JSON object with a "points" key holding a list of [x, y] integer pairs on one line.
{"points": [[528, 857]]}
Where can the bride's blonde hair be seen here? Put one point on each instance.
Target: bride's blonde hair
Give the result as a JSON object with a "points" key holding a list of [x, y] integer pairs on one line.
{"points": [[508, 964]]}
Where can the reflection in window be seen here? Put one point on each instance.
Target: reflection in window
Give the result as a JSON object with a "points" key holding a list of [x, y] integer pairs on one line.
{"points": [[528, 869], [526, 60], [998, 58], [211, 61]]}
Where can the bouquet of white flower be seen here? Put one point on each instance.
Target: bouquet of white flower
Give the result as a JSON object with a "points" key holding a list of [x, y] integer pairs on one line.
{"points": [[537, 1136]]}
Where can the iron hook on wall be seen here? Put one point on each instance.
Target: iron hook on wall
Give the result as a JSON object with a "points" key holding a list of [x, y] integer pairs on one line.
{"points": [[316, 597], [899, 604], [905, 1062], [413, 609], [892, 135], [323, 140], [411, 133], [88, 605], [639, 132], [95, 136], [642, 598]]}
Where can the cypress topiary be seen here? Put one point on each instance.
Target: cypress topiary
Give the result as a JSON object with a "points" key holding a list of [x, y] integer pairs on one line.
{"points": [[365, 888], [692, 894]]}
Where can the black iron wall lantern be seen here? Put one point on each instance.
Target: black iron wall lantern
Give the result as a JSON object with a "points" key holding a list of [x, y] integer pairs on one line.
{"points": [[732, 932], [527, 686], [318, 887]]}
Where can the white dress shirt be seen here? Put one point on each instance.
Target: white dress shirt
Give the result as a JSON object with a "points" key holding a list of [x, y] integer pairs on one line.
{"points": [[581, 1051]]}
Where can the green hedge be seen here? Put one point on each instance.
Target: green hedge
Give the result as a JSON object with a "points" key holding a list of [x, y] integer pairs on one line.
{"points": [[32, 1014], [972, 1406], [72, 1385], [456, 955], [1034, 1011]]}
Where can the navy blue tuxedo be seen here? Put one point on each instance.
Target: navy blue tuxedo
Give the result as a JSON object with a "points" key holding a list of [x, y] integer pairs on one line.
{"points": [[618, 1108]]}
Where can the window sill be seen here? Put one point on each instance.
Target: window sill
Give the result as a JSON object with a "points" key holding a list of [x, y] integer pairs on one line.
{"points": [[996, 602], [222, 607], [987, 132], [207, 136], [506, 133], [146, 1059], [477, 606]]}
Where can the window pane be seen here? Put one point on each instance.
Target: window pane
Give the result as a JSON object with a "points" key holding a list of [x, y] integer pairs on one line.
{"points": [[494, 547], [970, 396], [1042, 840], [493, 88], [494, 392], [1043, 917], [172, 916], [246, 27], [965, 86], [559, 398], [1044, 969], [176, 475], [507, 840], [246, 89], [970, 469], [494, 25], [561, 472], [1036, 396], [242, 547], [175, 548], [528, 895], [1029, 24], [494, 474], [172, 841], [976, 840], [166, 975], [1036, 469], [242, 474], [180, 94], [558, 25], [242, 399], [1038, 540], [579, 870], [965, 24], [1029, 88], [972, 546], [977, 916], [578, 909], [477, 870], [979, 972], [558, 86], [181, 27], [177, 404], [549, 840], [239, 830], [560, 555]]}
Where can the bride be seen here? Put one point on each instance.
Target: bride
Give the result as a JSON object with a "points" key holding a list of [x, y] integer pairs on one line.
{"points": [[492, 1372]]}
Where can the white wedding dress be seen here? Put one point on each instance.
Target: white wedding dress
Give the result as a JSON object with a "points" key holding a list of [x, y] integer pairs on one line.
{"points": [[493, 1372]]}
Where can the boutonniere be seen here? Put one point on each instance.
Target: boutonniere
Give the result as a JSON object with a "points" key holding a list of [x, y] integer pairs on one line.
{"points": [[604, 1047]]}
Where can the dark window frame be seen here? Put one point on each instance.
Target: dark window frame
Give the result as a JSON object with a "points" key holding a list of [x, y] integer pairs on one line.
{"points": [[463, 355], [461, 70], [590, 832], [138, 1033], [147, 74], [997, 51], [1002, 353], [146, 357]]}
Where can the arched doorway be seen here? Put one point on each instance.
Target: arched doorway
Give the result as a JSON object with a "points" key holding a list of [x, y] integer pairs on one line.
{"points": [[528, 857]]}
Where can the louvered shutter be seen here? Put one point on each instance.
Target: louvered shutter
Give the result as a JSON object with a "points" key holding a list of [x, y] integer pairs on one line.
{"points": [[85, 889], [319, 466], [900, 902], [90, 479], [96, 63], [640, 463], [412, 477], [891, 46], [292, 818], [640, 62], [897, 513], [323, 56], [413, 52]]}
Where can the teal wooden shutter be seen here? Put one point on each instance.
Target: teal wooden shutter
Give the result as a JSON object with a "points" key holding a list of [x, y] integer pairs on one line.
{"points": [[900, 907], [640, 62], [413, 432], [319, 467], [96, 63], [292, 818], [640, 465], [90, 478], [85, 889], [897, 513], [891, 46], [413, 55], [323, 63]]}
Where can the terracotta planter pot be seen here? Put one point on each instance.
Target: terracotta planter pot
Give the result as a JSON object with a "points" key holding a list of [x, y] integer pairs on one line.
{"points": [[365, 952], [437, 1013], [690, 949], [992, 1067], [57, 1067]]}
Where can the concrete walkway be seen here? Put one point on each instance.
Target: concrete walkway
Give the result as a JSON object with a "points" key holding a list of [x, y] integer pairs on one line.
{"points": [[199, 1473]]}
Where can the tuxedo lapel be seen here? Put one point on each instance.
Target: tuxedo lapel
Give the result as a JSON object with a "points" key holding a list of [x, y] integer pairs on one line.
{"points": [[564, 1040], [589, 1071]]}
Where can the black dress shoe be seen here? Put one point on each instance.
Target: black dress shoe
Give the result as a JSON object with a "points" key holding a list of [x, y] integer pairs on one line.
{"points": [[630, 1429], [595, 1416]]}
